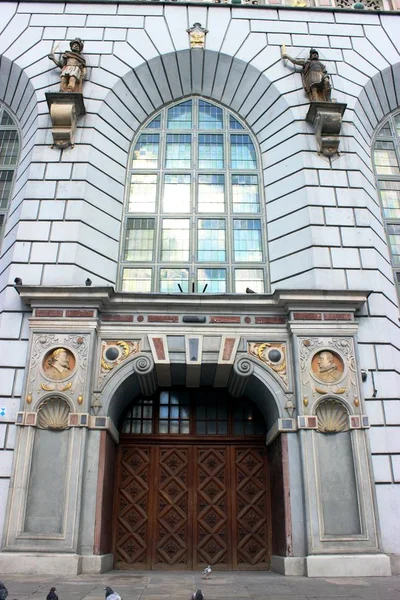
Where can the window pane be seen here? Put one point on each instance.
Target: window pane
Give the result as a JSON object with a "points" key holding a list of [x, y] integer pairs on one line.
{"points": [[211, 151], [170, 278], [386, 130], [9, 147], [214, 278], [211, 193], [210, 116], [397, 124], [176, 196], [247, 240], [390, 196], [5, 187], [394, 241], [145, 154], [175, 240], [178, 151], [6, 119], [385, 159], [143, 193], [211, 240], [180, 116], [136, 280], [155, 123], [139, 240], [249, 278], [243, 154], [245, 194], [234, 123]]}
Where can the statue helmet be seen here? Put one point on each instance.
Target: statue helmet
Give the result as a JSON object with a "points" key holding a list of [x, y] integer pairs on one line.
{"points": [[77, 41], [313, 51]]}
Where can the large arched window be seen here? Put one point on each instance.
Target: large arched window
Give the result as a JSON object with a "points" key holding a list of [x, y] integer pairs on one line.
{"points": [[387, 169], [9, 152], [194, 212]]}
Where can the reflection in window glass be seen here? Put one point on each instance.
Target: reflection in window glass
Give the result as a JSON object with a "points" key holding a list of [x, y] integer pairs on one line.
{"points": [[180, 116], [234, 123], [155, 123], [247, 240], [211, 192], [143, 193], [215, 279], [243, 154], [211, 240], [136, 280], [394, 241], [390, 197], [245, 194], [139, 240], [6, 178], [145, 154], [386, 130], [210, 116], [175, 240], [249, 278], [385, 159], [211, 151], [171, 279], [6, 119], [178, 151], [176, 196], [397, 125], [9, 147]]}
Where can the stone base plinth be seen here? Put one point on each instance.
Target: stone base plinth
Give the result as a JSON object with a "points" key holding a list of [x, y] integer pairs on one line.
{"points": [[288, 565], [38, 563], [348, 565]]}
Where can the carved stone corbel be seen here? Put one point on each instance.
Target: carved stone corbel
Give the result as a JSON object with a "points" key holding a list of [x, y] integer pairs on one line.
{"points": [[65, 111], [326, 118], [143, 366], [242, 369]]}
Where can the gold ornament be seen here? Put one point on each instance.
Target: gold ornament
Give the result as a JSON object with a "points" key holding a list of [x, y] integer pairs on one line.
{"points": [[341, 390], [65, 387], [80, 399], [320, 390], [48, 388], [356, 402], [29, 398], [305, 401]]}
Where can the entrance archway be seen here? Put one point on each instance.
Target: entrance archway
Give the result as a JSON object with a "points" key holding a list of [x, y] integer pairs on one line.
{"points": [[192, 483]]}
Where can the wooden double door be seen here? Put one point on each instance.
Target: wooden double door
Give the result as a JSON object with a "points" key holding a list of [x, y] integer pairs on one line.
{"points": [[182, 506]]}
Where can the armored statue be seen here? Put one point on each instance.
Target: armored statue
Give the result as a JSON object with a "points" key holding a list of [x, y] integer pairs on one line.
{"points": [[73, 67], [314, 75]]}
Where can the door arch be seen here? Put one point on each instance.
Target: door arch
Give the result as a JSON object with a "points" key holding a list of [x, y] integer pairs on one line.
{"points": [[192, 483]]}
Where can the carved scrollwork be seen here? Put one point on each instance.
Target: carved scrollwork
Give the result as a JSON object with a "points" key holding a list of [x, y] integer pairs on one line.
{"points": [[272, 354], [53, 414], [143, 366], [332, 417]]}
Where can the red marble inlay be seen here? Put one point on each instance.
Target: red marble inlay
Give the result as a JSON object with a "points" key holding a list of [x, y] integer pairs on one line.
{"points": [[140, 318], [337, 316], [312, 421], [247, 320], [224, 319], [270, 320], [228, 347], [79, 313], [119, 318], [307, 316], [159, 348], [74, 419], [30, 419], [355, 421], [41, 312], [163, 319]]}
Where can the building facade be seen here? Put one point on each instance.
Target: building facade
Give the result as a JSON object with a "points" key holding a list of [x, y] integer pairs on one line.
{"points": [[199, 305]]}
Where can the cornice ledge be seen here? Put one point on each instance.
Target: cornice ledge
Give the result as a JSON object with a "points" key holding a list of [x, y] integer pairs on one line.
{"points": [[350, 300], [67, 296]]}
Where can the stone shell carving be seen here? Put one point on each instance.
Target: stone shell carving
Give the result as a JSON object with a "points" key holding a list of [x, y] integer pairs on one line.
{"points": [[53, 414], [332, 417]]}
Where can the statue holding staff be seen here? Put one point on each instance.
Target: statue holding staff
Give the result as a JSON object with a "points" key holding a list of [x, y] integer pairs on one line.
{"points": [[314, 75], [73, 67]]}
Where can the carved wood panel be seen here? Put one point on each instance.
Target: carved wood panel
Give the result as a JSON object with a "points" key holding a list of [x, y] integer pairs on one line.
{"points": [[185, 506]]}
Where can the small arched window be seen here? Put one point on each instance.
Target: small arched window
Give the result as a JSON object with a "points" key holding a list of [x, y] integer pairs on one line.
{"points": [[387, 170], [194, 212], [9, 153]]}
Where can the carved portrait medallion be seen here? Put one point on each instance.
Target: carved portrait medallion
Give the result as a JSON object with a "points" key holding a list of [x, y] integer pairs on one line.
{"points": [[58, 364], [327, 366]]}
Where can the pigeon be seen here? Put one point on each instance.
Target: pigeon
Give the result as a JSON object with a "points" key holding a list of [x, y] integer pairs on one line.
{"points": [[88, 283], [198, 595], [3, 591], [18, 281], [250, 291], [111, 595], [52, 594], [207, 571]]}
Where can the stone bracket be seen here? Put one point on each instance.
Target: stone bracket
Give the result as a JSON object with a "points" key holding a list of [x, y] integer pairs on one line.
{"points": [[243, 368], [65, 111], [143, 366], [326, 118]]}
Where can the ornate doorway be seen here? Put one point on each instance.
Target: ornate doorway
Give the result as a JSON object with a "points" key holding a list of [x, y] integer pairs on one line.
{"points": [[193, 490]]}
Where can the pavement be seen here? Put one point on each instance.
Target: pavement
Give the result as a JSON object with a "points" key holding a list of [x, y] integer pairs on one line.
{"points": [[164, 585]]}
